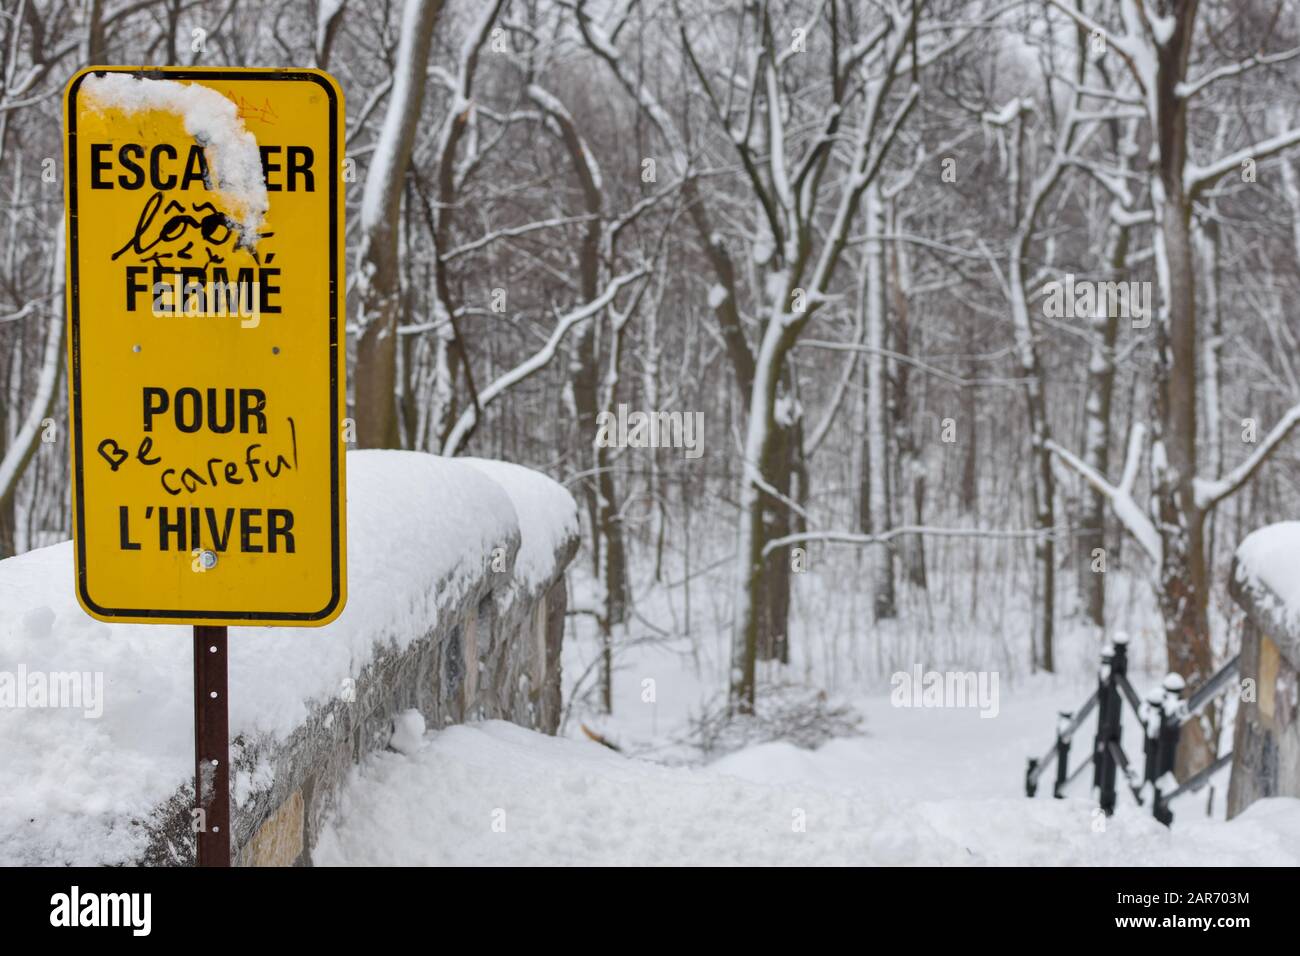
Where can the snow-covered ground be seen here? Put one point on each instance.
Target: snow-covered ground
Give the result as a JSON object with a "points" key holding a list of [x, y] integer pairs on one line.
{"points": [[913, 786], [497, 794]]}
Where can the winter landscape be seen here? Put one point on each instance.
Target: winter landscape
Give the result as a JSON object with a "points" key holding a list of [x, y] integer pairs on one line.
{"points": [[810, 433]]}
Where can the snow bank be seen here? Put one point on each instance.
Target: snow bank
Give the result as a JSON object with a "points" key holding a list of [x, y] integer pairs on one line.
{"points": [[213, 120], [71, 786], [547, 516], [508, 796], [1268, 564]]}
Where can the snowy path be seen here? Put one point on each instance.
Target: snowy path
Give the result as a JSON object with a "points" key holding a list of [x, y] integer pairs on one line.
{"points": [[495, 793]]}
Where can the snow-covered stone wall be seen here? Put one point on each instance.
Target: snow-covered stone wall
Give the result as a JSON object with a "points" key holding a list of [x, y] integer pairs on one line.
{"points": [[456, 603], [1266, 741]]}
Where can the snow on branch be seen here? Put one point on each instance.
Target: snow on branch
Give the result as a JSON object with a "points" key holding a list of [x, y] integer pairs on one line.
{"points": [[920, 161], [603, 46], [538, 360], [1123, 217], [1196, 176], [1189, 88], [510, 232], [1128, 479], [837, 397], [848, 537], [1010, 110], [27, 309], [958, 381], [393, 145], [552, 106], [469, 51], [1123, 45], [329, 14], [1120, 496], [776, 140], [867, 167], [769, 489], [1210, 493], [1111, 179]]}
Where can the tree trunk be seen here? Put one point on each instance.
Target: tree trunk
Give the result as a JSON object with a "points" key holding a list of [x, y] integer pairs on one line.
{"points": [[877, 452], [613, 562], [760, 437], [1044, 491], [859, 464], [94, 46], [778, 469], [591, 396], [911, 471], [10, 410], [968, 494], [376, 366], [1206, 237], [1096, 440], [1183, 594], [1042, 478]]}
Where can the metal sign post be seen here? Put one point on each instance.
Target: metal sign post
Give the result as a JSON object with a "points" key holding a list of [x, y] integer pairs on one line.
{"points": [[211, 747]]}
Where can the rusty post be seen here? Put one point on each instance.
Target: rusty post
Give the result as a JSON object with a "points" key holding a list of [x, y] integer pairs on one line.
{"points": [[211, 747]]}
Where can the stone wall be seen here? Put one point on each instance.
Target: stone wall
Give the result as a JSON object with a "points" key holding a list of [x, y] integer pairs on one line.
{"points": [[493, 653], [1266, 741]]}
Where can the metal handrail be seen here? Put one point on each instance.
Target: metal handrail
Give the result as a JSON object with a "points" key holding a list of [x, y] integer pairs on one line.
{"points": [[1130, 694], [1163, 715], [1211, 687], [1074, 774], [1200, 779], [1066, 731], [1117, 754]]}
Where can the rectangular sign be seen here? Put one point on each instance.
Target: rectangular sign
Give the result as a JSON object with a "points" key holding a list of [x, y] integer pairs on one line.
{"points": [[205, 350]]}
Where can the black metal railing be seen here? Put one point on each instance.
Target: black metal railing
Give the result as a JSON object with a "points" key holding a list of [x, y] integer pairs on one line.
{"points": [[1162, 714]]}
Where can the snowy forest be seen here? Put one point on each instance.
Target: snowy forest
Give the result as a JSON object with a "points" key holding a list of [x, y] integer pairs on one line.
{"points": [[870, 337]]}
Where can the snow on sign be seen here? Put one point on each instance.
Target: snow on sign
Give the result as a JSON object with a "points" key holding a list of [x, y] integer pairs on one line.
{"points": [[205, 298]]}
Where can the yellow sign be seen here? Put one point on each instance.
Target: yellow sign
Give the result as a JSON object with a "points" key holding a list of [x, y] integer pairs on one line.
{"points": [[205, 344]]}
